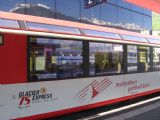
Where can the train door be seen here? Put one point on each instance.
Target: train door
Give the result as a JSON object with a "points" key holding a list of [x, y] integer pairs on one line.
{"points": [[144, 59]]}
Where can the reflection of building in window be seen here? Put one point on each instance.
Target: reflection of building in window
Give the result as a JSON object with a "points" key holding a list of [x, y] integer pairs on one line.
{"points": [[105, 58], [52, 58]]}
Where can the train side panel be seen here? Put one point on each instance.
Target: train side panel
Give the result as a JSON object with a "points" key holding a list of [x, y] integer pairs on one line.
{"points": [[13, 59], [43, 99]]}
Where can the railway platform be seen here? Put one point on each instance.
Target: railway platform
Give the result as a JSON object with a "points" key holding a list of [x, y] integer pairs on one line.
{"points": [[147, 109]]}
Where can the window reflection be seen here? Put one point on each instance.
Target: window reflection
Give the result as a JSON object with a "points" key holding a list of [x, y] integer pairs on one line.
{"points": [[153, 40], [124, 19], [53, 58], [147, 22], [114, 13], [134, 38], [123, 4], [68, 9], [90, 15], [43, 8], [109, 15], [136, 8], [101, 34], [156, 58], [9, 23], [105, 58], [137, 21], [54, 28], [12, 5]]}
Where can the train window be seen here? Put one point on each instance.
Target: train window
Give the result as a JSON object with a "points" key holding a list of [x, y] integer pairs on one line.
{"points": [[101, 34], [156, 58], [8, 23], [144, 58], [1, 40], [54, 58], [105, 58], [134, 38], [54, 28], [132, 58]]}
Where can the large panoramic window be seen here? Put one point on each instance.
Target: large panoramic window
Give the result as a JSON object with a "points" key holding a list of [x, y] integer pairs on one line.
{"points": [[105, 58], [156, 58], [132, 58], [54, 58]]}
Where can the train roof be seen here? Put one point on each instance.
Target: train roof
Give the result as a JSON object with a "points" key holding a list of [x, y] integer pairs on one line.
{"points": [[40, 26]]}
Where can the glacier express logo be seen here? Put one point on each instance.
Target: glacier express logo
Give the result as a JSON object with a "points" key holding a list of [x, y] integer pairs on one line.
{"points": [[26, 98]]}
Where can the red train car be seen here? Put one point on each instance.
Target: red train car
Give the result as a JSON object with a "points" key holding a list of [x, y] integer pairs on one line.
{"points": [[53, 67]]}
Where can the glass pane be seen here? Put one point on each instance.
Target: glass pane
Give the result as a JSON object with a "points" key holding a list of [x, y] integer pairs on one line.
{"points": [[43, 8], [101, 34], [123, 4], [144, 58], [16, 6], [137, 21], [8, 23], [134, 38], [147, 22], [131, 58], [1, 40], [156, 58], [124, 19], [68, 9], [147, 12], [54, 58], [112, 2], [152, 40], [47, 27], [90, 15], [105, 58], [136, 8], [109, 15]]}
